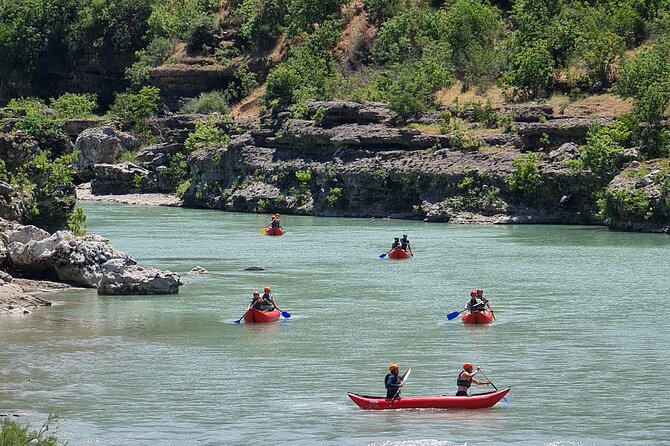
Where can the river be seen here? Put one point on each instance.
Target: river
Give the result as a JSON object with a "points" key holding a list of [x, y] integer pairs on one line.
{"points": [[581, 335]]}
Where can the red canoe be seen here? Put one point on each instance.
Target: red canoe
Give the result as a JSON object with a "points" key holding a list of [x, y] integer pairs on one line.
{"points": [[259, 317], [478, 317], [399, 254], [274, 231], [478, 401]]}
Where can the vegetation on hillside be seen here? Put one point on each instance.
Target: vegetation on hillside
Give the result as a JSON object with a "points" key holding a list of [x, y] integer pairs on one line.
{"points": [[408, 51]]}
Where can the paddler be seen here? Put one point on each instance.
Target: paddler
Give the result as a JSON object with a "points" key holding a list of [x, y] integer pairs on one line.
{"points": [[393, 382], [466, 378]]}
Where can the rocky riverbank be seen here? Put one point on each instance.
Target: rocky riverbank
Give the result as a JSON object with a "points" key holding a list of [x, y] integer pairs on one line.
{"points": [[90, 262], [22, 296]]}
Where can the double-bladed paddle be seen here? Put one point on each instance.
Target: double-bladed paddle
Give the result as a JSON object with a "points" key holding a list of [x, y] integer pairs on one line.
{"points": [[455, 314], [405, 376], [286, 314], [505, 400]]}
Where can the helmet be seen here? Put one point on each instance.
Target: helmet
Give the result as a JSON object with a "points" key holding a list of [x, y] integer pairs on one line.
{"points": [[479, 291], [267, 288], [256, 293], [473, 293], [393, 367], [467, 365], [396, 238], [404, 235]]}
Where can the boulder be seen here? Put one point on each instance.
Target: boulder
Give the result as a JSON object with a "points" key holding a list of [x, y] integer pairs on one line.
{"points": [[66, 257], [566, 151], [335, 113], [198, 270], [5, 277], [17, 149], [110, 179], [23, 234], [531, 112], [121, 279], [157, 155], [102, 145]]}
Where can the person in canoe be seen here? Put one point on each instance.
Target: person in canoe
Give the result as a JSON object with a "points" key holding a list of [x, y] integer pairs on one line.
{"points": [[256, 302], [474, 304], [405, 245], [268, 300], [396, 244], [466, 378], [484, 301], [276, 222], [393, 382]]}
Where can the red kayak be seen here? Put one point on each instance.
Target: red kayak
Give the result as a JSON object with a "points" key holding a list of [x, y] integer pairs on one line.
{"points": [[478, 317], [478, 401], [274, 231], [399, 254], [260, 317]]}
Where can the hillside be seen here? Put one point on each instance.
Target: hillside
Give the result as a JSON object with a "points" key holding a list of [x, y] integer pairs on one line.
{"points": [[428, 62]]}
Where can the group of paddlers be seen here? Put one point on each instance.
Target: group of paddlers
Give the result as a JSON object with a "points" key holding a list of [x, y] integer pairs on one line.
{"points": [[401, 243], [394, 382], [477, 302], [263, 302]]}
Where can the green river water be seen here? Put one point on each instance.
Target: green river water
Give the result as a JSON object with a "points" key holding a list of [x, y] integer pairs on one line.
{"points": [[581, 335]]}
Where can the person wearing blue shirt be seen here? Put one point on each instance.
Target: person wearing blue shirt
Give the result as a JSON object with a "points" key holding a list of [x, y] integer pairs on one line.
{"points": [[393, 382]]}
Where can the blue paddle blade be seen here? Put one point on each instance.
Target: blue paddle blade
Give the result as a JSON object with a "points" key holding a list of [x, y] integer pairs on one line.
{"points": [[381, 256], [286, 314], [505, 400], [237, 321], [453, 315]]}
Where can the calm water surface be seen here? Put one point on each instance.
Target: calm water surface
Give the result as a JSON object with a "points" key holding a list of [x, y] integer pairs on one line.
{"points": [[582, 335]]}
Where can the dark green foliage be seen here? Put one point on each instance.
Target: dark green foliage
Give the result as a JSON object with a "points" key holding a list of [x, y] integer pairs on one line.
{"points": [[206, 134], [627, 205], [133, 109], [45, 128], [42, 36], [243, 84], [473, 29], [605, 145], [303, 14], [525, 179], [646, 79], [261, 20], [308, 71], [405, 36], [76, 221], [72, 106], [530, 72], [206, 103], [381, 10], [154, 54], [15, 434]]}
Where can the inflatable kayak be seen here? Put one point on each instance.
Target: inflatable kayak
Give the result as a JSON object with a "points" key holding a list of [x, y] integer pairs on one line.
{"points": [[478, 317], [399, 254], [274, 231], [477, 401], [259, 317]]}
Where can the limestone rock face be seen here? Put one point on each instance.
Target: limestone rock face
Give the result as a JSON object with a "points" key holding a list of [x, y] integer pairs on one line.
{"points": [[66, 257], [119, 279], [102, 145], [110, 179]]}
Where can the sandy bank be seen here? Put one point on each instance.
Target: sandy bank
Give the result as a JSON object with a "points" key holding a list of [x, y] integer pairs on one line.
{"points": [[84, 194], [23, 295]]}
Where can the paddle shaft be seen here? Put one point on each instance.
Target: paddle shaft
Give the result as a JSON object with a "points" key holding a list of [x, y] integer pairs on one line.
{"points": [[397, 392], [487, 378]]}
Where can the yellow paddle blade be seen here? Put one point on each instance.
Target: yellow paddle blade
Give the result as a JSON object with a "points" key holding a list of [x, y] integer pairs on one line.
{"points": [[262, 231]]}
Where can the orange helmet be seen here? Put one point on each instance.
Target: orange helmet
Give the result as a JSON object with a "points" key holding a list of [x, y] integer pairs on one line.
{"points": [[467, 365], [267, 288], [393, 367], [256, 293], [473, 293]]}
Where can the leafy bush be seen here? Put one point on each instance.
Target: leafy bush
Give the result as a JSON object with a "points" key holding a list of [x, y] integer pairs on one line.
{"points": [[473, 28], [531, 71], [525, 178], [72, 106], [261, 20], [153, 55], [178, 169], [335, 197], [182, 188], [45, 128], [26, 105], [605, 145], [14, 434], [206, 103], [76, 221], [624, 204], [206, 134], [304, 176], [134, 109], [302, 14]]}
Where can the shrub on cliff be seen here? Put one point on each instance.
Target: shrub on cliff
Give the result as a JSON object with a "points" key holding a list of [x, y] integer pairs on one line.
{"points": [[604, 146], [646, 79], [525, 178], [206, 103], [15, 434], [530, 71], [260, 20], [134, 109], [206, 134]]}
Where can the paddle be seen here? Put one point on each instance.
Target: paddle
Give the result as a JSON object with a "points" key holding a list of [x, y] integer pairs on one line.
{"points": [[240, 319], [381, 256], [263, 230], [404, 378], [455, 314], [494, 386], [286, 314]]}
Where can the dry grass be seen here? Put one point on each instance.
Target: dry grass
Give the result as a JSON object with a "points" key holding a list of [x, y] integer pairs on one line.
{"points": [[357, 34], [249, 107], [428, 129], [448, 97], [591, 106]]}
